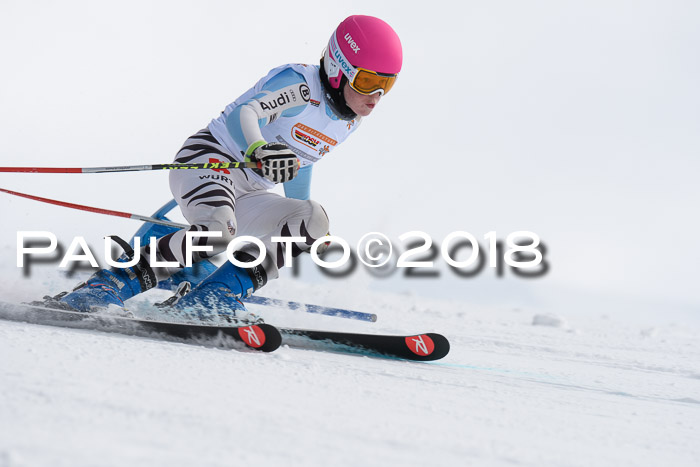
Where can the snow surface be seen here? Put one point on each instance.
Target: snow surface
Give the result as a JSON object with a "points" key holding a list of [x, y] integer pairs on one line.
{"points": [[595, 392]]}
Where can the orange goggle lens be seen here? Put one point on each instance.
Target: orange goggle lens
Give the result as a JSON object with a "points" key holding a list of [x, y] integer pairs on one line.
{"points": [[369, 82]]}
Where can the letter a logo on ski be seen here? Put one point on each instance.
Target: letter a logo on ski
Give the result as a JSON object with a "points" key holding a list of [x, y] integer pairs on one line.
{"points": [[253, 336], [420, 345]]}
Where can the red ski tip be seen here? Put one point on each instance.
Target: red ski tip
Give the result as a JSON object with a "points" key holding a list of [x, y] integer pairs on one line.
{"points": [[252, 336], [421, 345]]}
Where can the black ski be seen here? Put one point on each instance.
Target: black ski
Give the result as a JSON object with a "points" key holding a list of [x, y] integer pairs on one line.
{"points": [[421, 347], [262, 337]]}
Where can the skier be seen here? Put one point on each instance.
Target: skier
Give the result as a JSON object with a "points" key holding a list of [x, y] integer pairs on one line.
{"points": [[288, 121]]}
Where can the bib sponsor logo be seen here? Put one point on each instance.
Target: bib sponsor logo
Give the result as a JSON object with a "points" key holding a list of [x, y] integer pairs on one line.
{"points": [[305, 92], [312, 138], [305, 139], [281, 99], [353, 45], [305, 156]]}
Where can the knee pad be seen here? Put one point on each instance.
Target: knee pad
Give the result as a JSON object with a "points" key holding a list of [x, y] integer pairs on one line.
{"points": [[318, 224]]}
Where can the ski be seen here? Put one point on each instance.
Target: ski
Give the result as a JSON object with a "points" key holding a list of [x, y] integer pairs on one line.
{"points": [[263, 337], [308, 308], [421, 347]]}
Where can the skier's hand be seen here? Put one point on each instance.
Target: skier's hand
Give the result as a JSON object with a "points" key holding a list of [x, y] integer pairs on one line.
{"points": [[278, 163]]}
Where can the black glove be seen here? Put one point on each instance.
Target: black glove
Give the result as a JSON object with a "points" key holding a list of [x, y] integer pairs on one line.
{"points": [[277, 162]]}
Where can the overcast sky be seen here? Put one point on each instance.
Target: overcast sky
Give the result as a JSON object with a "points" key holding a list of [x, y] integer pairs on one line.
{"points": [[579, 121]]}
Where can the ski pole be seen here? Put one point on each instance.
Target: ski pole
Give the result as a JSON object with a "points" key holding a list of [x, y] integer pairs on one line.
{"points": [[97, 210], [135, 168], [317, 309]]}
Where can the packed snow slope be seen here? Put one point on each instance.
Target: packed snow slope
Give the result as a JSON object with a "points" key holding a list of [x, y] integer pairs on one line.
{"points": [[518, 387]]}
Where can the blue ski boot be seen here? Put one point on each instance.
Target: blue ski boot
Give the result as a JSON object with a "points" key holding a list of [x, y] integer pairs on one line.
{"points": [[217, 298], [194, 274], [108, 286]]}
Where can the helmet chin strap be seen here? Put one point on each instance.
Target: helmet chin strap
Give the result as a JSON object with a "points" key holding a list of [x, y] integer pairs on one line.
{"points": [[335, 98]]}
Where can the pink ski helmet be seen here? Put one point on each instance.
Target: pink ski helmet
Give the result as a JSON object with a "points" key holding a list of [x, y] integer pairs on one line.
{"points": [[367, 51]]}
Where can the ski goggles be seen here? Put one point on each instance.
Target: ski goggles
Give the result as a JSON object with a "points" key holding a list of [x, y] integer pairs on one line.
{"points": [[360, 79], [371, 82]]}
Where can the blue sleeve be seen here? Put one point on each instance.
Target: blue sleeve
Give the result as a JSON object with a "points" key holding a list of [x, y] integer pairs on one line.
{"points": [[300, 186], [269, 104]]}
